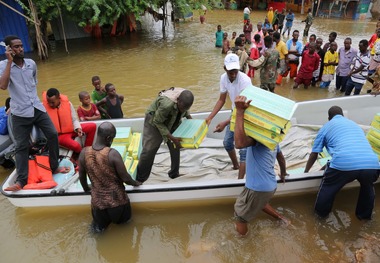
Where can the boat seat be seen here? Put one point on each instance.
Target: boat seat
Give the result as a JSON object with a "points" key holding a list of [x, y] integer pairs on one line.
{"points": [[38, 134], [7, 145], [7, 148], [5, 142]]}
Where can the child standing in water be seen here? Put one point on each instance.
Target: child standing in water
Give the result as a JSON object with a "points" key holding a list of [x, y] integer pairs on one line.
{"points": [[226, 43], [330, 60], [98, 93], [219, 37], [111, 104], [87, 111], [232, 40]]}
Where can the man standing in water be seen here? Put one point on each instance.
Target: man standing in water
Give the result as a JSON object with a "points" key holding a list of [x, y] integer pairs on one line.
{"points": [[19, 76], [352, 159], [359, 71], [281, 18], [294, 47], [107, 173], [162, 118], [261, 183], [309, 22], [246, 13], [332, 38], [268, 63], [346, 56]]}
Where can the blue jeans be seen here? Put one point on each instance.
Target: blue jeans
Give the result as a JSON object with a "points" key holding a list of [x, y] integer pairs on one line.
{"points": [[229, 145], [287, 28], [333, 180], [351, 85]]}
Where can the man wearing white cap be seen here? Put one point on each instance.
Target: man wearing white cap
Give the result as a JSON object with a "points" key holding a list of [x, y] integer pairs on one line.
{"points": [[232, 82]]}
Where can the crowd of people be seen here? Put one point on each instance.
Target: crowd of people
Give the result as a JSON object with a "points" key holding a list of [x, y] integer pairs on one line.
{"points": [[265, 50], [315, 63], [308, 64]]}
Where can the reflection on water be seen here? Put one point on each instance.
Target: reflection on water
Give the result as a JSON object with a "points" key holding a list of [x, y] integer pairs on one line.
{"points": [[192, 232], [140, 65]]}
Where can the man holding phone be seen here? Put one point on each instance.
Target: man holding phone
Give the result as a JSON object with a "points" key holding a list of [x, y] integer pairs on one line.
{"points": [[19, 76]]}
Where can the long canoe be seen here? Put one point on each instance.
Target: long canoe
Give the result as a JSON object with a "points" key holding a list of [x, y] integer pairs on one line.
{"points": [[360, 109]]}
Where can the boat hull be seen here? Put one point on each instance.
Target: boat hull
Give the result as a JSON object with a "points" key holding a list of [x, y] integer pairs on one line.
{"points": [[360, 109]]}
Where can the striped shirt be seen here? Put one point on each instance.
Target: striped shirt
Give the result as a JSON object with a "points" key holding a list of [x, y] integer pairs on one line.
{"points": [[347, 145], [361, 59]]}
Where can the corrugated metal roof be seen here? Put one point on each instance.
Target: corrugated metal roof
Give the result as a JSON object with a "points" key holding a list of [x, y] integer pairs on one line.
{"points": [[12, 23]]}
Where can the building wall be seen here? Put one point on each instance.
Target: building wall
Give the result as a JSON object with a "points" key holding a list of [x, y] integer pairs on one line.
{"points": [[12, 23], [344, 9]]}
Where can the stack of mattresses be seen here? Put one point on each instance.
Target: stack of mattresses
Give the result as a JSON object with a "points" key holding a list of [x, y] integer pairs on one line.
{"points": [[192, 132], [134, 151], [373, 135], [267, 119], [122, 140], [129, 146]]}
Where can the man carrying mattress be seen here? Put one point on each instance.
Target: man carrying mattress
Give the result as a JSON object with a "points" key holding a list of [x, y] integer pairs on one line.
{"points": [[261, 183], [352, 159], [162, 118]]}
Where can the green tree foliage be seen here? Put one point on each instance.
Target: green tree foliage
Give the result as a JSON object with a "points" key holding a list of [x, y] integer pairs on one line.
{"points": [[105, 11]]}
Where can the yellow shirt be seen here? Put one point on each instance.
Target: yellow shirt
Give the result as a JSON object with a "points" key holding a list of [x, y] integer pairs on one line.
{"points": [[232, 42], [330, 57], [270, 16], [282, 49]]}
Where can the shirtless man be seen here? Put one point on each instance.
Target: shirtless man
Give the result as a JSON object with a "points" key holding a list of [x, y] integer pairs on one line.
{"points": [[106, 170]]}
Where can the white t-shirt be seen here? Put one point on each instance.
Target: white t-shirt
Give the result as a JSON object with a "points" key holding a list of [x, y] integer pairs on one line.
{"points": [[246, 10], [234, 88]]}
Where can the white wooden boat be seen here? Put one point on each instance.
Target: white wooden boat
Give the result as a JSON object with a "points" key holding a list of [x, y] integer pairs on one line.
{"points": [[360, 109]]}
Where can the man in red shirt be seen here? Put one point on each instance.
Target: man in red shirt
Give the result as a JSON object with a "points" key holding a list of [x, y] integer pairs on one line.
{"points": [[310, 62]]}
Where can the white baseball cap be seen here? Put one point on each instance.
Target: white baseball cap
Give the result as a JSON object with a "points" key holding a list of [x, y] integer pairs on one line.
{"points": [[231, 61]]}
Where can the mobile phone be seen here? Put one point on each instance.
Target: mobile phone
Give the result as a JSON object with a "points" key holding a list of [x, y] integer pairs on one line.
{"points": [[9, 48]]}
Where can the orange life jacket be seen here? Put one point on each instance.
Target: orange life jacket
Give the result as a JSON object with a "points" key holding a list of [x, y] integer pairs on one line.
{"points": [[40, 175], [61, 117]]}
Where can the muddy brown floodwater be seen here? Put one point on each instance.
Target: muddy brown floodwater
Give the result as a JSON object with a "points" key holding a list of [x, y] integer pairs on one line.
{"points": [[140, 65]]}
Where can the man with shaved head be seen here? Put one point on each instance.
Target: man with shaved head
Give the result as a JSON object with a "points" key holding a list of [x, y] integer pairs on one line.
{"points": [[106, 170], [352, 158]]}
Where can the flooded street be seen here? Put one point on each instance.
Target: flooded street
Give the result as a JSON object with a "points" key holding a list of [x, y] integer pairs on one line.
{"points": [[140, 65]]}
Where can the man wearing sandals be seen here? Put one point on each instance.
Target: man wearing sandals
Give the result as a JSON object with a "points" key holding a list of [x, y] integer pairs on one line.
{"points": [[19, 76]]}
